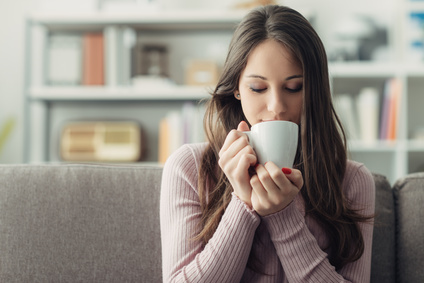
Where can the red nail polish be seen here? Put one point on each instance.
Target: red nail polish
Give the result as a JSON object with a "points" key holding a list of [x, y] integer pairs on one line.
{"points": [[256, 165], [286, 170]]}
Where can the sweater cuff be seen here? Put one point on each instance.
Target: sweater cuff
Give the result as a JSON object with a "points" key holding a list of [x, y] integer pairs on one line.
{"points": [[236, 204], [288, 218]]}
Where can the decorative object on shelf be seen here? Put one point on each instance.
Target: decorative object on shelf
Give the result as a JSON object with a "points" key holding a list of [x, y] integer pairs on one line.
{"points": [[202, 72], [102, 141], [150, 60], [359, 38], [5, 131], [154, 60], [415, 37]]}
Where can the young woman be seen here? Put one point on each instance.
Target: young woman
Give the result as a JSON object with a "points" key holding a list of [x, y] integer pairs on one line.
{"points": [[225, 218]]}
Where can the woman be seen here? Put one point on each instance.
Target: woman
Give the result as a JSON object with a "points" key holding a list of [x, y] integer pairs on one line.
{"points": [[225, 218]]}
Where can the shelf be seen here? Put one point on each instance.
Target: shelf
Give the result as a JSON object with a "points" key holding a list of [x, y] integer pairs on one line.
{"points": [[363, 69], [377, 146], [414, 69], [416, 145], [152, 20], [102, 93]]}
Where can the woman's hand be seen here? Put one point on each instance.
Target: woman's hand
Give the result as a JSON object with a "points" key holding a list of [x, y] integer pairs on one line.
{"points": [[274, 188], [235, 158]]}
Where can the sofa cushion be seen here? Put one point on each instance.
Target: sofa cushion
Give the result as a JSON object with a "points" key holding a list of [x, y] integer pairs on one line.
{"points": [[409, 197], [79, 223], [383, 265]]}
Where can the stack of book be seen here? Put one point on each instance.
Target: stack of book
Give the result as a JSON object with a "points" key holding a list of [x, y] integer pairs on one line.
{"points": [[91, 58], [180, 127], [371, 115]]}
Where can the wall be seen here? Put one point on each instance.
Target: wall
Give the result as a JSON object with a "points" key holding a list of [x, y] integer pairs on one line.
{"points": [[12, 74]]}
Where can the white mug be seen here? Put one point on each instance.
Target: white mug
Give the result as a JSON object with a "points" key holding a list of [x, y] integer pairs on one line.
{"points": [[274, 141]]}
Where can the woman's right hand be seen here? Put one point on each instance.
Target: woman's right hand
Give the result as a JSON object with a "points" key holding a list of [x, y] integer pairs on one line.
{"points": [[235, 158]]}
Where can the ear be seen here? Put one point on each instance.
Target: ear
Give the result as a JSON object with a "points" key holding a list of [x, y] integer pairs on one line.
{"points": [[237, 95]]}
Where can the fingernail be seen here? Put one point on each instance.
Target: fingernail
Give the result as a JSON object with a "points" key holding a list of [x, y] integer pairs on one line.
{"points": [[286, 170], [257, 164]]}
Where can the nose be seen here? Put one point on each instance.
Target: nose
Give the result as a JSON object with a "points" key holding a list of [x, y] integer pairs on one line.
{"points": [[276, 104]]}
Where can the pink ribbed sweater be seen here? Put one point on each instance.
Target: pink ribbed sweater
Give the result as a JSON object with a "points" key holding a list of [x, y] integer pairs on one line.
{"points": [[290, 246]]}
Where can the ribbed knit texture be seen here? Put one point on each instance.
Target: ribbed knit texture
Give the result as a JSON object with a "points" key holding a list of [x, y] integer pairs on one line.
{"points": [[289, 246]]}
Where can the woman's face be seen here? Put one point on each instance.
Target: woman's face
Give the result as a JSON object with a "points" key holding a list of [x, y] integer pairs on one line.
{"points": [[271, 85]]}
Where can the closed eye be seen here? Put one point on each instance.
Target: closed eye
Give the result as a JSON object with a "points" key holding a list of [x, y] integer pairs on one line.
{"points": [[294, 90], [259, 90]]}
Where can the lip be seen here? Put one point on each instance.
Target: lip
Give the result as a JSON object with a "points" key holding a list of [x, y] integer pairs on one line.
{"points": [[269, 120]]}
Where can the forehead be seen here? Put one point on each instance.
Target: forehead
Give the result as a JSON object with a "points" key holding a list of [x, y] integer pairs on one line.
{"points": [[272, 56]]}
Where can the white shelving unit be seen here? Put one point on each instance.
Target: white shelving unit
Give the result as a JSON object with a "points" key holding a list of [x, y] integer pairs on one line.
{"points": [[45, 103]]}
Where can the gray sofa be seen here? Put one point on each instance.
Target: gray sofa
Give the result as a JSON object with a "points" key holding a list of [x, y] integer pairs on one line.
{"points": [[100, 223]]}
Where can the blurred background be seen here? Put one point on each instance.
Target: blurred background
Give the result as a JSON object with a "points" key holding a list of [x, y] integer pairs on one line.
{"points": [[123, 80]]}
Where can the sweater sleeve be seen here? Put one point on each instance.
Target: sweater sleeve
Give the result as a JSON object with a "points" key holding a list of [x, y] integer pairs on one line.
{"points": [[185, 259], [298, 250]]}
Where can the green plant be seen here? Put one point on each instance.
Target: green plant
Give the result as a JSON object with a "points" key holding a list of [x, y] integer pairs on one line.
{"points": [[5, 131]]}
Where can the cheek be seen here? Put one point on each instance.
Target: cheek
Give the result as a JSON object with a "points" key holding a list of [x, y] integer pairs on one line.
{"points": [[251, 108]]}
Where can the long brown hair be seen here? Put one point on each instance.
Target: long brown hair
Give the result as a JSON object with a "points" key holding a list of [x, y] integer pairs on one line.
{"points": [[321, 155]]}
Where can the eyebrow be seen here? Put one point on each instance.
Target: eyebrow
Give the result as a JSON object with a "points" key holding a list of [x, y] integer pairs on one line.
{"points": [[263, 78]]}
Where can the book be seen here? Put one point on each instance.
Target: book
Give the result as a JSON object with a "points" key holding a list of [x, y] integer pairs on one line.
{"points": [[119, 42], [385, 110], [395, 100], [346, 110], [368, 107], [93, 59], [64, 59], [129, 39], [111, 51]]}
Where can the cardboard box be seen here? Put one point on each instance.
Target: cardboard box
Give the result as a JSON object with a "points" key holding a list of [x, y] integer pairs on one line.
{"points": [[202, 72]]}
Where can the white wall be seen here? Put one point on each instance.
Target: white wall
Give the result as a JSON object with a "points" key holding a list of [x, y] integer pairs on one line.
{"points": [[12, 73]]}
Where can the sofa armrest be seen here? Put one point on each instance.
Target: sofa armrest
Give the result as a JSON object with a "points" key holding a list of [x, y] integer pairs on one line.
{"points": [[383, 264], [409, 199]]}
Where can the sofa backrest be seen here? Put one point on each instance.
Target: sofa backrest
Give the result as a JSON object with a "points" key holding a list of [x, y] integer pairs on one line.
{"points": [[409, 198], [79, 223], [383, 264]]}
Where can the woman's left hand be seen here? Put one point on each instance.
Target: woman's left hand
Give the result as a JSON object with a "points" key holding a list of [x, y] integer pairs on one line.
{"points": [[273, 190]]}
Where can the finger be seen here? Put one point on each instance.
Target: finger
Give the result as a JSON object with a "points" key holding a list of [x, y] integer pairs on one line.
{"points": [[239, 146], [242, 126], [237, 158], [277, 176], [266, 179], [246, 158], [295, 176], [232, 136], [258, 188]]}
